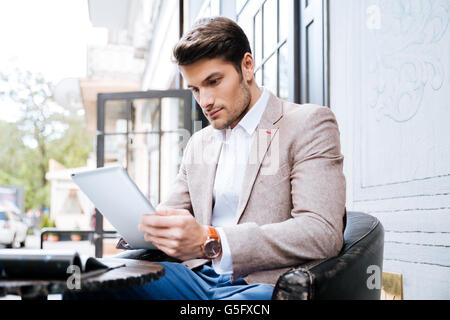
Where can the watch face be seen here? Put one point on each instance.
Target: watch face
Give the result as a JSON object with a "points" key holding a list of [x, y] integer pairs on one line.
{"points": [[212, 249]]}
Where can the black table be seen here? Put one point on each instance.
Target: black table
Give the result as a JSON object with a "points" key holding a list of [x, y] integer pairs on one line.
{"points": [[134, 273]]}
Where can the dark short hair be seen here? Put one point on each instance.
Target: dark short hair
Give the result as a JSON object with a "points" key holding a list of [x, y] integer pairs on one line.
{"points": [[211, 38]]}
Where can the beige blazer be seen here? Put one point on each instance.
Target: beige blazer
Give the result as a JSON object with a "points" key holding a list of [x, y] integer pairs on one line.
{"points": [[292, 201]]}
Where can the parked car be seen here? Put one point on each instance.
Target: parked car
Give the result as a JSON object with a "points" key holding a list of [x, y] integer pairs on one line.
{"points": [[13, 231]]}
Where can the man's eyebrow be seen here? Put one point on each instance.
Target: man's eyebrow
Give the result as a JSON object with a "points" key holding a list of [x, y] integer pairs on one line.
{"points": [[212, 75]]}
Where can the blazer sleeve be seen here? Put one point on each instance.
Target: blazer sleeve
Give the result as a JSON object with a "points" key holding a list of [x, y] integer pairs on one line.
{"points": [[315, 229]]}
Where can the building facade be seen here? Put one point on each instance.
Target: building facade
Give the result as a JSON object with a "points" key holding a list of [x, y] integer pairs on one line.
{"points": [[383, 67]]}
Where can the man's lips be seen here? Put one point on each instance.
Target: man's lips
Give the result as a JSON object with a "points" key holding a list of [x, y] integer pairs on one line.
{"points": [[214, 113]]}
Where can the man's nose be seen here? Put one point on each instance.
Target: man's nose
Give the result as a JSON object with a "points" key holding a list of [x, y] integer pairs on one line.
{"points": [[206, 100]]}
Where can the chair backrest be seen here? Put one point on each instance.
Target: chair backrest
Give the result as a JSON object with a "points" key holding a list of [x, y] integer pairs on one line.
{"points": [[359, 226]]}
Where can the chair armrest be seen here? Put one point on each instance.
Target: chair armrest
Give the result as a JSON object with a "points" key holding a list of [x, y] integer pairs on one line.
{"points": [[339, 278], [296, 283]]}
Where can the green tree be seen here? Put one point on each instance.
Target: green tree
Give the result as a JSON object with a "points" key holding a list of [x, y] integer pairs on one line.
{"points": [[73, 148], [44, 131]]}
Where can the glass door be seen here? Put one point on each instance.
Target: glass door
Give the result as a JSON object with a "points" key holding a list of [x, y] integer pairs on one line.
{"points": [[145, 132]]}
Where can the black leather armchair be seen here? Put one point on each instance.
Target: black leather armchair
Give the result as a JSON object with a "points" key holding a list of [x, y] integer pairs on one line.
{"points": [[344, 277], [340, 278]]}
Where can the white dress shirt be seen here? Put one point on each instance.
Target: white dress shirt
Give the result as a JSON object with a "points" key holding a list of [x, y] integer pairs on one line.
{"points": [[230, 174]]}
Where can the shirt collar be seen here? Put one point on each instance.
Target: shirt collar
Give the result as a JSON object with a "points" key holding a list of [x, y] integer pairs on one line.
{"points": [[251, 120]]}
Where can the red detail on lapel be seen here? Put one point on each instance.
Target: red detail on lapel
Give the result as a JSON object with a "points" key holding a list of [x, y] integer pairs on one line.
{"points": [[268, 132]]}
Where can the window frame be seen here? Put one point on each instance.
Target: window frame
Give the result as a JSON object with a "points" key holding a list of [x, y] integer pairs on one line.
{"points": [[299, 80], [259, 9]]}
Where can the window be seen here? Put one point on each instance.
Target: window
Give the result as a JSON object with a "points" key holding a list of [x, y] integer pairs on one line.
{"points": [[289, 41], [140, 131], [210, 8], [240, 4], [145, 133], [313, 52], [267, 25]]}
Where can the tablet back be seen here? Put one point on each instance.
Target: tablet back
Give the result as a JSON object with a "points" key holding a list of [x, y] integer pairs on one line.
{"points": [[117, 197]]}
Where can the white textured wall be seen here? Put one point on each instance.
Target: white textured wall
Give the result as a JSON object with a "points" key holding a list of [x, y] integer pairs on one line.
{"points": [[390, 90]]}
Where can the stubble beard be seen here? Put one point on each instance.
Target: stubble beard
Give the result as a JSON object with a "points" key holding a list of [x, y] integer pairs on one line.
{"points": [[243, 103]]}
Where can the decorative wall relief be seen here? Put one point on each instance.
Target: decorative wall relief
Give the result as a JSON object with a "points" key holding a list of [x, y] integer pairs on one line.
{"points": [[407, 56], [390, 85], [402, 54]]}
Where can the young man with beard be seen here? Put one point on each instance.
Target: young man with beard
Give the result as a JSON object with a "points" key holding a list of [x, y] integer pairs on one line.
{"points": [[259, 191]]}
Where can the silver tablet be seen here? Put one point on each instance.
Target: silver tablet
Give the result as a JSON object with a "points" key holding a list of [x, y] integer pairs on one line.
{"points": [[117, 197]]}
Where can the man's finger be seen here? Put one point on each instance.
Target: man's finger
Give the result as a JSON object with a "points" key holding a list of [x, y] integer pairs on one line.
{"points": [[158, 221], [169, 250], [172, 212], [167, 233], [163, 243], [163, 212]]}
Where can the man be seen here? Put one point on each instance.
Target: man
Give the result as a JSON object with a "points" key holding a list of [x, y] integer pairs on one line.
{"points": [[259, 191]]}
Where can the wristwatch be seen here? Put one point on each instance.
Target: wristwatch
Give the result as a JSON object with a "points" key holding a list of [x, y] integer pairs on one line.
{"points": [[212, 248]]}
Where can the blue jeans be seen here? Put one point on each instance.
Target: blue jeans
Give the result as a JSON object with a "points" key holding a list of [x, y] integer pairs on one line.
{"points": [[181, 283]]}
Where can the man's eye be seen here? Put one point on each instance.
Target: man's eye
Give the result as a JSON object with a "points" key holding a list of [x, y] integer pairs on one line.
{"points": [[214, 82]]}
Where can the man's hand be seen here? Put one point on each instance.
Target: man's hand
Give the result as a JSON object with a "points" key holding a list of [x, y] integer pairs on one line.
{"points": [[175, 232]]}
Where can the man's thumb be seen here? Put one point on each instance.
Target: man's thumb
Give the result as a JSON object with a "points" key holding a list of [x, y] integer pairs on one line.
{"points": [[172, 212]]}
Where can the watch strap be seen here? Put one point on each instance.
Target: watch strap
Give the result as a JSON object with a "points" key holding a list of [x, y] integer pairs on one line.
{"points": [[212, 233]]}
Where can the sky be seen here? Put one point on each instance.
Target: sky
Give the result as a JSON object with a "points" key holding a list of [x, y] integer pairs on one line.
{"points": [[46, 36]]}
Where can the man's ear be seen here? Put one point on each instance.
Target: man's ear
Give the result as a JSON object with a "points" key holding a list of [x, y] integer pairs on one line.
{"points": [[248, 67]]}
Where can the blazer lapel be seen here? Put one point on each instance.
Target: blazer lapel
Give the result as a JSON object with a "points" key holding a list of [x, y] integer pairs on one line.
{"points": [[262, 139]]}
